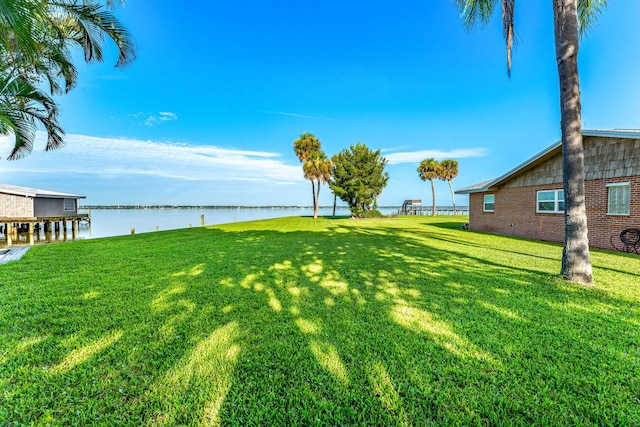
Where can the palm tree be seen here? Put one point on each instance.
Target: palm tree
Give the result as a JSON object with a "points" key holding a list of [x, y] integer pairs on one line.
{"points": [[303, 147], [36, 42], [571, 19], [429, 169], [317, 167], [448, 171]]}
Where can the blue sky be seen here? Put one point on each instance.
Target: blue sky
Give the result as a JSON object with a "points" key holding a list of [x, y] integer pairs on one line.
{"points": [[208, 113]]}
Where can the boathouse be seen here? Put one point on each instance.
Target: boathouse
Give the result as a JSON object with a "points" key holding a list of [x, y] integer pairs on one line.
{"points": [[29, 209]]}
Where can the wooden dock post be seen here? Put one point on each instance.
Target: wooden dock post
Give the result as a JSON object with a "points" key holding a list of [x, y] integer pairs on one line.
{"points": [[31, 240], [202, 220], [9, 234]]}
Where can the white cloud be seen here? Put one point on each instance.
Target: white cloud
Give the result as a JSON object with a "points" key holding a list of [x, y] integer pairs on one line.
{"points": [[167, 116], [114, 157], [152, 119], [418, 156]]}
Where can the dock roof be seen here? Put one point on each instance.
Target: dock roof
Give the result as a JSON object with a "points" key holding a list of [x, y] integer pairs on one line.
{"points": [[34, 192]]}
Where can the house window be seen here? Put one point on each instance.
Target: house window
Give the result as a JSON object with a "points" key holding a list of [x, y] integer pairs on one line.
{"points": [[69, 205], [550, 201], [489, 200], [619, 198]]}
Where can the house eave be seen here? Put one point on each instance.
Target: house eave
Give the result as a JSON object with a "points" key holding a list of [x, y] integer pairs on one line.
{"points": [[542, 157]]}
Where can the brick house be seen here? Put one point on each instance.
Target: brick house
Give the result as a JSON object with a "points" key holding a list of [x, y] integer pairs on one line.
{"points": [[528, 201]]}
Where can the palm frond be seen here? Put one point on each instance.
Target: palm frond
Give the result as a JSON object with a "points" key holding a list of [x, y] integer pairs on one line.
{"points": [[22, 106], [476, 11], [92, 23], [508, 7], [588, 13], [18, 18]]}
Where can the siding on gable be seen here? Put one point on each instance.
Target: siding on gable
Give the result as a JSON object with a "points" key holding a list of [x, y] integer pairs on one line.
{"points": [[549, 172], [603, 158], [611, 157]]}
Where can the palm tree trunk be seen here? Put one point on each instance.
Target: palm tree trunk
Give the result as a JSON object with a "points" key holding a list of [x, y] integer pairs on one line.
{"points": [[453, 197], [576, 262], [317, 202], [313, 192], [335, 202], [433, 195]]}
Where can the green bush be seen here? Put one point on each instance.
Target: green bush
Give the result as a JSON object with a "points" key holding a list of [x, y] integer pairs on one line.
{"points": [[374, 213]]}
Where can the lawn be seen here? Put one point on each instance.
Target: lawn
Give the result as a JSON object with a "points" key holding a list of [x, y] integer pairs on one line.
{"points": [[291, 321]]}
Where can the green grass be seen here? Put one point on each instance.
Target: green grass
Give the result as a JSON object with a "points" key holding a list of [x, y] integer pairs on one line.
{"points": [[407, 321]]}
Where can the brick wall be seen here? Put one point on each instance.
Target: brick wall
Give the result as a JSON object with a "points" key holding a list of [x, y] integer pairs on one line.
{"points": [[603, 226], [515, 213]]}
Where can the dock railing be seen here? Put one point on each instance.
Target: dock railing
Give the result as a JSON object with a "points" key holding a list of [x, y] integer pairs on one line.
{"points": [[440, 210]]}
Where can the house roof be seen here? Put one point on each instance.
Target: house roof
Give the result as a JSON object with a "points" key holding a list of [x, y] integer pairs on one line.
{"points": [[34, 192], [543, 156]]}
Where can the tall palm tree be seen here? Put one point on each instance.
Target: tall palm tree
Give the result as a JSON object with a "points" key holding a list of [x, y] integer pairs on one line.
{"points": [[430, 169], [36, 42], [317, 167], [448, 171], [304, 147], [571, 19]]}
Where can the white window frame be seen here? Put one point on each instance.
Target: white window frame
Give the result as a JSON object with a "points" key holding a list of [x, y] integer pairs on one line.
{"points": [[485, 202], [67, 202], [627, 196], [556, 201]]}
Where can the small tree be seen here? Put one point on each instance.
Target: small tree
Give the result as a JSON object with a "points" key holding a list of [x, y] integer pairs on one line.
{"points": [[449, 170], [430, 169], [318, 168], [359, 178], [304, 147]]}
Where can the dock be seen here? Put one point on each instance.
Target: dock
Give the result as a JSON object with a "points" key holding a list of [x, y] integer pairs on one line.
{"points": [[12, 227]]}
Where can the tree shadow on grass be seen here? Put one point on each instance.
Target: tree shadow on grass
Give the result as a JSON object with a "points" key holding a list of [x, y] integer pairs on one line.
{"points": [[355, 326], [505, 243]]}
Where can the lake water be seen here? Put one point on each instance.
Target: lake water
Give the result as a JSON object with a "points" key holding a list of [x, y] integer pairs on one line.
{"points": [[117, 222]]}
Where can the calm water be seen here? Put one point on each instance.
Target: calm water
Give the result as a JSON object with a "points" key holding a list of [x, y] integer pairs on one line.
{"points": [[117, 222]]}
